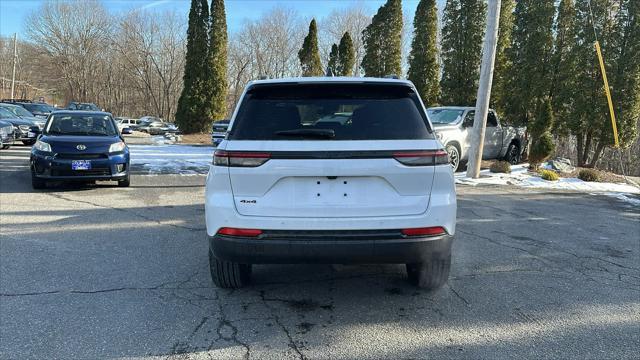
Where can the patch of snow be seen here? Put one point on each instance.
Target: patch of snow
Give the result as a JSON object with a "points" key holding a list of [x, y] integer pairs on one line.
{"points": [[521, 177], [171, 159], [635, 201]]}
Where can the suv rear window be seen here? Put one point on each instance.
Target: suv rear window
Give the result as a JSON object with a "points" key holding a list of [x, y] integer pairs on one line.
{"points": [[330, 112]]}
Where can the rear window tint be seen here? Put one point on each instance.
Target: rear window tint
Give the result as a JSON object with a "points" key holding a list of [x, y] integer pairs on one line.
{"points": [[347, 112]]}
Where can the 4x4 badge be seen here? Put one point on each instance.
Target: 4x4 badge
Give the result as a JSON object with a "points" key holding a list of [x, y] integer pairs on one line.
{"points": [[248, 201]]}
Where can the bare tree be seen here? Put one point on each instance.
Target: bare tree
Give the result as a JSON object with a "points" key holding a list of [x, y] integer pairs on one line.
{"points": [[74, 36], [151, 52], [267, 46], [353, 19]]}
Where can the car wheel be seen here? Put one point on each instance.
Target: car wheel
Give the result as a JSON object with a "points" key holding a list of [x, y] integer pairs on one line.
{"points": [[228, 275], [125, 183], [37, 183], [513, 154], [454, 157], [432, 274], [28, 142]]}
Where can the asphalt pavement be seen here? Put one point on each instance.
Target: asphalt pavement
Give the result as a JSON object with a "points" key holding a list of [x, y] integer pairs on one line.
{"points": [[105, 272]]}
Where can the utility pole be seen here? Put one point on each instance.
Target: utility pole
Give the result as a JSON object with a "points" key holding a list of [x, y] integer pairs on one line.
{"points": [[484, 90], [15, 59]]}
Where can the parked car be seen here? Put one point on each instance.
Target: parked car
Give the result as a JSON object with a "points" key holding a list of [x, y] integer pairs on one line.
{"points": [[23, 130], [376, 189], [80, 146], [83, 106], [6, 134], [23, 113], [156, 126], [38, 109], [453, 126], [132, 124], [219, 131]]}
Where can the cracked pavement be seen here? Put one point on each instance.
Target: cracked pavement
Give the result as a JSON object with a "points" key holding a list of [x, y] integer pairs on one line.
{"points": [[105, 272]]}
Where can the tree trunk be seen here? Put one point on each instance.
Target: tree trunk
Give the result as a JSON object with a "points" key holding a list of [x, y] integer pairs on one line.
{"points": [[579, 140], [597, 154], [587, 147]]}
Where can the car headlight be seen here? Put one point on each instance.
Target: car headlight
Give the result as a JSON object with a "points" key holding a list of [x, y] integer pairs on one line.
{"points": [[42, 146], [24, 127], [117, 147]]}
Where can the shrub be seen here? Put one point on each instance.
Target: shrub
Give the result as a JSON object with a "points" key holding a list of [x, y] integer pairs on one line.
{"points": [[500, 167], [541, 149], [588, 175], [542, 145], [549, 175]]}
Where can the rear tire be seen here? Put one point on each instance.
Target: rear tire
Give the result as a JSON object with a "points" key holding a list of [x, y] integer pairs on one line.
{"points": [[37, 184], [228, 275], [28, 142], [454, 157], [513, 154], [432, 274]]}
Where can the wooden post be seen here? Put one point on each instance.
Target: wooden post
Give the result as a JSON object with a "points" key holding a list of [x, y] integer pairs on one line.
{"points": [[484, 90]]}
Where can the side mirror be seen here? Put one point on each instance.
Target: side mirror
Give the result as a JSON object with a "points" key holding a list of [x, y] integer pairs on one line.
{"points": [[467, 122]]}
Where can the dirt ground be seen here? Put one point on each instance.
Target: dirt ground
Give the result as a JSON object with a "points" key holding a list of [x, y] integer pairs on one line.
{"points": [[204, 138]]}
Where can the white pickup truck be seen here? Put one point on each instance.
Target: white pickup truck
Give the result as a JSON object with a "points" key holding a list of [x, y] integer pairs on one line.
{"points": [[453, 124]]}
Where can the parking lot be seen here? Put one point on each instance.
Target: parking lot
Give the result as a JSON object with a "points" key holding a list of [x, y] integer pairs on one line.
{"points": [[106, 272]]}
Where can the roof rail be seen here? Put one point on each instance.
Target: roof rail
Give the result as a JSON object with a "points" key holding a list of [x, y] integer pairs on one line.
{"points": [[16, 101], [391, 76], [263, 77]]}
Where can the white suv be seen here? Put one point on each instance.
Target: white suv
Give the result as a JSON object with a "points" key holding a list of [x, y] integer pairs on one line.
{"points": [[288, 185]]}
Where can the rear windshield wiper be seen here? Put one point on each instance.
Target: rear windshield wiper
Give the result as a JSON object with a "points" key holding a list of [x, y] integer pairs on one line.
{"points": [[319, 133]]}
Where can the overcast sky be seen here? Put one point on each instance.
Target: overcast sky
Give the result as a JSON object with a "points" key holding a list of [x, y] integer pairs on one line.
{"points": [[13, 12]]}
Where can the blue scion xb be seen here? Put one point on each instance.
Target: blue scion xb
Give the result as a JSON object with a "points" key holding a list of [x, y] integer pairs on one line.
{"points": [[79, 146]]}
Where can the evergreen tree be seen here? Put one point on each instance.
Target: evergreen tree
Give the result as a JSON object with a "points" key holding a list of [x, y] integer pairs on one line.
{"points": [[529, 57], [332, 65], [382, 41], [500, 71], [462, 33], [424, 71], [619, 37], [542, 146], [309, 55], [194, 97], [563, 70], [218, 61], [625, 75], [346, 56]]}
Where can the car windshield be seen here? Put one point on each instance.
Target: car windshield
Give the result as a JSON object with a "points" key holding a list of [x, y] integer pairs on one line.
{"points": [[38, 108], [444, 116], [89, 125], [6, 114], [330, 112], [18, 110]]}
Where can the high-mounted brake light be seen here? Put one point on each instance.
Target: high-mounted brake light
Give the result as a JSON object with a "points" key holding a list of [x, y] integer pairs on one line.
{"points": [[426, 231], [240, 158], [422, 157], [239, 232]]}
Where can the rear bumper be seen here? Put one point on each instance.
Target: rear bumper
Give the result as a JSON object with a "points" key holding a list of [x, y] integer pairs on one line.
{"points": [[288, 250]]}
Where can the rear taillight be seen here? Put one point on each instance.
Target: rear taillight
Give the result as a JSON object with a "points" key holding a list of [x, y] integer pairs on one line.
{"points": [[239, 232], [240, 158], [422, 158], [426, 231]]}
